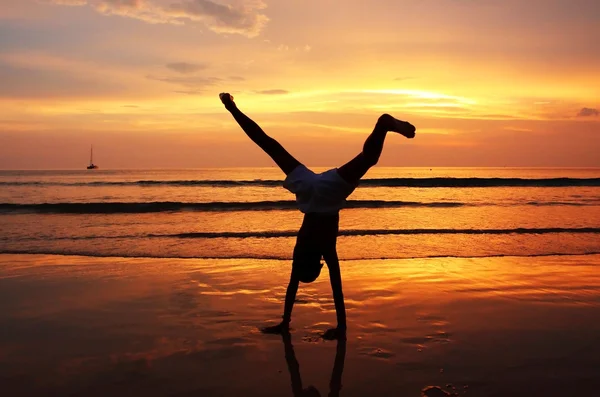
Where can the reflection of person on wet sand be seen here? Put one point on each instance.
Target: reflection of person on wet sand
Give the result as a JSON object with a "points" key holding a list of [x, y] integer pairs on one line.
{"points": [[320, 197], [335, 384]]}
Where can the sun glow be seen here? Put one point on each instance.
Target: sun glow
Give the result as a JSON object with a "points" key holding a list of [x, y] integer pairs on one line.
{"points": [[417, 94], [89, 72]]}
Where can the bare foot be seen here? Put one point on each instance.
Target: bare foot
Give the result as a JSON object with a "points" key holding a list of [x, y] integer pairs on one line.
{"points": [[392, 124]]}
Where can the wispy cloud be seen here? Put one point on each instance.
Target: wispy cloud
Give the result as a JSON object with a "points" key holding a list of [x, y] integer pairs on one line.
{"points": [[243, 17], [69, 2], [185, 67], [189, 84], [18, 82], [273, 92], [588, 112], [29, 74]]}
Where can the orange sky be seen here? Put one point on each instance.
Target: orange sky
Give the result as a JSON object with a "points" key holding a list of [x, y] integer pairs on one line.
{"points": [[487, 83]]}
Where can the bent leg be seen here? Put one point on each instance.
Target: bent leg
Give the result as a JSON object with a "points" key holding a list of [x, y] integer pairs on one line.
{"points": [[355, 169], [282, 158]]}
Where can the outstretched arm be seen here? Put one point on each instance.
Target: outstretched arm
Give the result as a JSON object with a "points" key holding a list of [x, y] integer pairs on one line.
{"points": [[335, 277], [251, 129], [290, 298], [282, 158]]}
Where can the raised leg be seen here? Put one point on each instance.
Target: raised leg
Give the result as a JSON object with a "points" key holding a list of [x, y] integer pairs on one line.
{"points": [[282, 158], [356, 168]]}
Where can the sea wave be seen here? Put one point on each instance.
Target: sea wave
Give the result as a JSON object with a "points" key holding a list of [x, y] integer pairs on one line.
{"points": [[384, 182], [86, 253], [282, 205], [348, 233], [382, 232], [170, 206]]}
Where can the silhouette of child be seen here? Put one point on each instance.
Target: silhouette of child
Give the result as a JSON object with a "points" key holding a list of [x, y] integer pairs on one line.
{"points": [[320, 197]]}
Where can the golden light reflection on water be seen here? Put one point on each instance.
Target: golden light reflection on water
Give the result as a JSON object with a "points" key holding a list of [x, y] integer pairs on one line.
{"points": [[189, 324]]}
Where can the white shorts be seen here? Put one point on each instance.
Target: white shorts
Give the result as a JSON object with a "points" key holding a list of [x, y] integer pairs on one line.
{"points": [[320, 193]]}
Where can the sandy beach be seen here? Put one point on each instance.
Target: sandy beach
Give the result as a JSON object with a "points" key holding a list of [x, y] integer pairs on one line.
{"points": [[510, 326]]}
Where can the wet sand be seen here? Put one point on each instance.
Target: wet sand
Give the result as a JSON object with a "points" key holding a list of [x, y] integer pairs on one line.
{"points": [[512, 326]]}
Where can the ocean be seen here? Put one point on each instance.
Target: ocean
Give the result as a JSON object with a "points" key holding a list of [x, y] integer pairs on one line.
{"points": [[245, 213], [457, 282]]}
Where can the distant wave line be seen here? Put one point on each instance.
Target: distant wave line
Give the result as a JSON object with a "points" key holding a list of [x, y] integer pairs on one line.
{"points": [[281, 205], [440, 182], [347, 233], [174, 206], [382, 232], [84, 253]]}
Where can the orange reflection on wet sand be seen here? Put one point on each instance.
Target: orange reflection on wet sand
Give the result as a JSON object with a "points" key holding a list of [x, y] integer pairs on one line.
{"points": [[154, 327]]}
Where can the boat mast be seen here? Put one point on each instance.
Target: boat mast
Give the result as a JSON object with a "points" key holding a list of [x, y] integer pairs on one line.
{"points": [[91, 154]]}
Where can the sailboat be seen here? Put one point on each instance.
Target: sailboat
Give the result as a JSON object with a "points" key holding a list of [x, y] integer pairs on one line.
{"points": [[92, 166]]}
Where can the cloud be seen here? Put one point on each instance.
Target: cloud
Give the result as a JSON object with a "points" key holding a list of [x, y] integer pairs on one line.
{"points": [[69, 2], [185, 67], [221, 18], [21, 82], [190, 84], [588, 112], [403, 78], [190, 92], [243, 17], [273, 92]]}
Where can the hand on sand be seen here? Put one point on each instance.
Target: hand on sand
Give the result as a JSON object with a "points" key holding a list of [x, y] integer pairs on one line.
{"points": [[335, 334], [227, 100], [279, 329]]}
